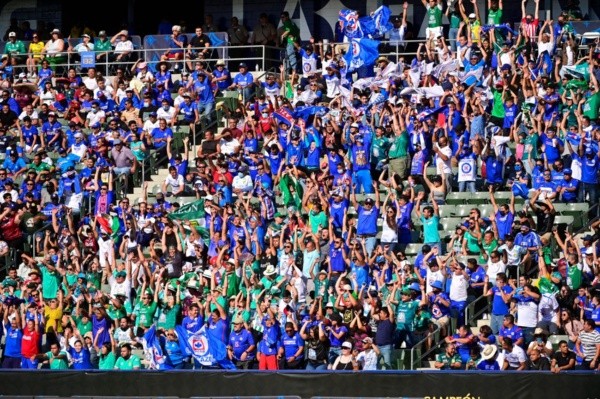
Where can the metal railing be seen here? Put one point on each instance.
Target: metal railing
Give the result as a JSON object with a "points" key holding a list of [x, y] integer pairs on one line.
{"points": [[261, 55], [471, 315], [417, 360]]}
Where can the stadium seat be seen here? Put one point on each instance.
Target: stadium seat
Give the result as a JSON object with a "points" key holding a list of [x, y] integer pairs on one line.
{"points": [[555, 339], [449, 223], [447, 211], [579, 211], [412, 249], [478, 198], [463, 210], [486, 210], [457, 198], [565, 220]]}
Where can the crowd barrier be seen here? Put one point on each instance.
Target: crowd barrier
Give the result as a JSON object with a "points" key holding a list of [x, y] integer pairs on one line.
{"points": [[221, 384]]}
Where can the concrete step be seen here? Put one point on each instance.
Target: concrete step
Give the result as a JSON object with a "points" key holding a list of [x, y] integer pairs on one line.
{"points": [[482, 322]]}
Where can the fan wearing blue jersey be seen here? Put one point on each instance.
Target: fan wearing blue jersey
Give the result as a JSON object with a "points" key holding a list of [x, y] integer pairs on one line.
{"points": [[368, 213]]}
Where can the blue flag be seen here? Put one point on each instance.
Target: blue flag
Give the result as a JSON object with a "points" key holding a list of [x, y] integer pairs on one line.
{"points": [[430, 112], [154, 353], [202, 346], [306, 112], [520, 190], [378, 24], [284, 115], [503, 28], [350, 20], [361, 52]]}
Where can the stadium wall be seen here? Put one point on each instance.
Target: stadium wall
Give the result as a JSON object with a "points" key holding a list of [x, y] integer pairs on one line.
{"points": [[215, 384]]}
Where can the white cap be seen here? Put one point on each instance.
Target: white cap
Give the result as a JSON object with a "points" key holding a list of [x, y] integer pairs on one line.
{"points": [[12, 34], [208, 198], [471, 16]]}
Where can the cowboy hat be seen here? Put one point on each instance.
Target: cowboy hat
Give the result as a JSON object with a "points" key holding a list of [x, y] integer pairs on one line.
{"points": [[488, 352]]}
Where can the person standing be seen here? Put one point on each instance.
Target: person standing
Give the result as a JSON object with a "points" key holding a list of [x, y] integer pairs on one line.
{"points": [[291, 350], [588, 346], [264, 33], [290, 35], [14, 334], [434, 18]]}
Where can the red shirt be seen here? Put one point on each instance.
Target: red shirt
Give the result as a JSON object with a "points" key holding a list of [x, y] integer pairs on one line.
{"points": [[530, 29], [29, 343], [10, 229], [236, 133]]}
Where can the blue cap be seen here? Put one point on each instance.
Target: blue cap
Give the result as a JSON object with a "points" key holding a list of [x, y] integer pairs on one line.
{"points": [[437, 284], [96, 125], [567, 171], [414, 287]]}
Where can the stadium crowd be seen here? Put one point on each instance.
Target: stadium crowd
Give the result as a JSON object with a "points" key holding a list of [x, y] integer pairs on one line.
{"points": [[309, 203]]}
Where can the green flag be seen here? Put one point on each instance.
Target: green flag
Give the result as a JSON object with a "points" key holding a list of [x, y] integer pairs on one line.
{"points": [[579, 71], [289, 90], [291, 191], [192, 211]]}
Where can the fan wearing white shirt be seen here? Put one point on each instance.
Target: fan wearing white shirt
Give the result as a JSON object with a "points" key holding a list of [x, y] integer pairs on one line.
{"points": [[175, 181], [168, 112], [242, 182], [443, 159], [495, 265], [151, 123], [514, 355], [546, 39], [102, 88]]}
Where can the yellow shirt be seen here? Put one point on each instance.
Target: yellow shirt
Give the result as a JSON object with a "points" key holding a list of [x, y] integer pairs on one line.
{"points": [[36, 49], [475, 30], [53, 319]]}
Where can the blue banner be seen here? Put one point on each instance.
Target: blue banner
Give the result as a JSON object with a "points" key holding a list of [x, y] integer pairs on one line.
{"points": [[306, 112], [428, 113], [377, 24], [361, 52], [284, 115], [503, 28], [352, 24], [204, 348], [154, 353], [520, 190]]}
